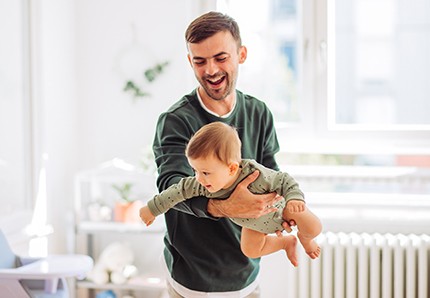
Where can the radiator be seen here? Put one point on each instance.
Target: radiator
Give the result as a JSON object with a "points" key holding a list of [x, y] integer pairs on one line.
{"points": [[364, 266]]}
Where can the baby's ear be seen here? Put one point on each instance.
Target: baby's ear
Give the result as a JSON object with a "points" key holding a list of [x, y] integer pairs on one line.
{"points": [[233, 167]]}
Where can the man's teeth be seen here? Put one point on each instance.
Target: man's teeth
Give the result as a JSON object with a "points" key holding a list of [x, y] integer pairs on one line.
{"points": [[215, 81]]}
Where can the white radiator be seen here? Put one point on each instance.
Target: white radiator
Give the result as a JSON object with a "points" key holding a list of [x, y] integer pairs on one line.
{"points": [[364, 266]]}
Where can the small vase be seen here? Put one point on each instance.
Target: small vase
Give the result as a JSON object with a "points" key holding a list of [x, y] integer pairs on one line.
{"points": [[127, 211]]}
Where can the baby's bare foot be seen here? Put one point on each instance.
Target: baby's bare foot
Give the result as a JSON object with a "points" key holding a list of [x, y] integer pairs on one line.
{"points": [[290, 249], [310, 246]]}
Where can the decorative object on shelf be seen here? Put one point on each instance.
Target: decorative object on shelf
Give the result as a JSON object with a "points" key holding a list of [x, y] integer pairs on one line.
{"points": [[126, 209], [124, 191], [99, 212], [138, 66], [114, 265]]}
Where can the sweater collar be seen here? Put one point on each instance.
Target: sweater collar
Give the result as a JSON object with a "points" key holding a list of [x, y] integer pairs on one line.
{"points": [[211, 112]]}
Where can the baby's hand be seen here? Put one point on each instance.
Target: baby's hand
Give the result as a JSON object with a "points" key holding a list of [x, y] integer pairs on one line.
{"points": [[146, 215], [296, 206]]}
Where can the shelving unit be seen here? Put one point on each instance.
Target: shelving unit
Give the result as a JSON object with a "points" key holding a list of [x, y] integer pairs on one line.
{"points": [[92, 235], [151, 283]]}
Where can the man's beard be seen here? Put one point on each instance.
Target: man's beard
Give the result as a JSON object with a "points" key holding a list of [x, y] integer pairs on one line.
{"points": [[218, 94]]}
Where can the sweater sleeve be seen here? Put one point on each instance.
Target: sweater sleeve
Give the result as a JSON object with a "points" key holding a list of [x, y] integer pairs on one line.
{"points": [[271, 144]]}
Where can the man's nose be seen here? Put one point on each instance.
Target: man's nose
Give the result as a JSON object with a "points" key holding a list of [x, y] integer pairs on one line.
{"points": [[211, 67]]}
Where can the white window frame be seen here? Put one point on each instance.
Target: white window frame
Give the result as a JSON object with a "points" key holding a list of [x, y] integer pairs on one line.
{"points": [[318, 133], [26, 105], [19, 219]]}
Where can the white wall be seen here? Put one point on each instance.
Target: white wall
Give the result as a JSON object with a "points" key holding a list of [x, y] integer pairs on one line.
{"points": [[110, 123]]}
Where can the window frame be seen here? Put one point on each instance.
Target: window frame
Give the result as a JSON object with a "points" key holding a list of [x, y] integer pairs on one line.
{"points": [[29, 125], [318, 132]]}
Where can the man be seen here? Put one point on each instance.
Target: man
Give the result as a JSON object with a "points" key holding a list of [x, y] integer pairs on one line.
{"points": [[202, 252]]}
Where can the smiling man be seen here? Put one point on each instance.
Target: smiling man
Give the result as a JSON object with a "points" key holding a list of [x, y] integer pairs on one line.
{"points": [[202, 247]]}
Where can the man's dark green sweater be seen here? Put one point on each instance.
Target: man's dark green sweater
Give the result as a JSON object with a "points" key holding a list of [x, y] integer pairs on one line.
{"points": [[202, 252]]}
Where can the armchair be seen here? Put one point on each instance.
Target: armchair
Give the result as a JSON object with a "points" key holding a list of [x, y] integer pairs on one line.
{"points": [[38, 277]]}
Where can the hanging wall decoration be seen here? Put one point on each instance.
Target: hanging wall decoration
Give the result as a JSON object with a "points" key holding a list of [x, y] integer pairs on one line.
{"points": [[138, 67]]}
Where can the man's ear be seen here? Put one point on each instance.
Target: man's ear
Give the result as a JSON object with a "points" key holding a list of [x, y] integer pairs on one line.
{"points": [[243, 53], [233, 167]]}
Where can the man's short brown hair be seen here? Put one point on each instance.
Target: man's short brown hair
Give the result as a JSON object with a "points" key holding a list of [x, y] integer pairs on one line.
{"points": [[209, 24]]}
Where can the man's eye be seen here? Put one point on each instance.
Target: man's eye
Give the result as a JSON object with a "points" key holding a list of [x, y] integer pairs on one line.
{"points": [[221, 59], [199, 62]]}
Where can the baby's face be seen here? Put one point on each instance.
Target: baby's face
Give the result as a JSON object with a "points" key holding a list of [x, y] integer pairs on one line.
{"points": [[212, 173]]}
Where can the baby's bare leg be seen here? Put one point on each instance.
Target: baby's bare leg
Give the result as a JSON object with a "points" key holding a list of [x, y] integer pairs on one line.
{"points": [[256, 244], [309, 226]]}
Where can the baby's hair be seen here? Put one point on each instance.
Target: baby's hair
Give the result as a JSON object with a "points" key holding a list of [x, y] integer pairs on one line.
{"points": [[215, 139]]}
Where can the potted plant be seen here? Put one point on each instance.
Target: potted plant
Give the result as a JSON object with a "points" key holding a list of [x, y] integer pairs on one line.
{"points": [[127, 208]]}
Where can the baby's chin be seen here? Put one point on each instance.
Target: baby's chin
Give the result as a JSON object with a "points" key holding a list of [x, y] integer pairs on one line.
{"points": [[211, 189]]}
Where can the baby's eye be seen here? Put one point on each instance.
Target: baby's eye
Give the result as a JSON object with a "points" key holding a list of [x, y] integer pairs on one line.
{"points": [[205, 173]]}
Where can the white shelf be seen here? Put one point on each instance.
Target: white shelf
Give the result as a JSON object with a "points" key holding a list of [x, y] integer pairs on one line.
{"points": [[90, 227]]}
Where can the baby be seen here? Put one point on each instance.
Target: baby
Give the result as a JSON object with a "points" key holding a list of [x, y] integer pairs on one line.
{"points": [[214, 152]]}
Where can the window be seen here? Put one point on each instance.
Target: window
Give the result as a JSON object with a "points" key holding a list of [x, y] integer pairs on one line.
{"points": [[340, 76], [380, 58]]}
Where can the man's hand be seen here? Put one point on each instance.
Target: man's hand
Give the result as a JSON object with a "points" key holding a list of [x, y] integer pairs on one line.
{"points": [[287, 227], [242, 203]]}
